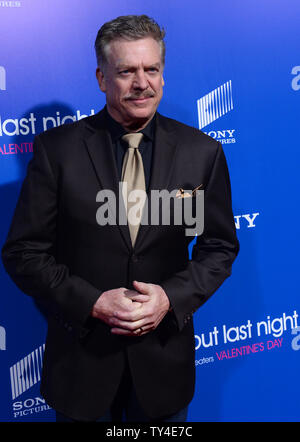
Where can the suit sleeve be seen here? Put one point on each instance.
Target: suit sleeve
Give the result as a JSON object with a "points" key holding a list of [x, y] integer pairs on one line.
{"points": [[29, 251], [214, 251]]}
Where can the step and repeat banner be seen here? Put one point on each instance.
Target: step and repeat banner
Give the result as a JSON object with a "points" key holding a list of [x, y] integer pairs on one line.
{"points": [[232, 71]]}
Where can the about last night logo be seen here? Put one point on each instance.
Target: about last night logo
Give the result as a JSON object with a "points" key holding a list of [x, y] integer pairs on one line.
{"points": [[2, 78], [295, 83], [249, 338]]}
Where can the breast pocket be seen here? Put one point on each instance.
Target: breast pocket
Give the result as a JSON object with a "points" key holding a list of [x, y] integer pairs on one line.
{"points": [[187, 208]]}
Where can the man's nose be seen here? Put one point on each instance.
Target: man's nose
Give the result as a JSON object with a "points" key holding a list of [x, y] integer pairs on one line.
{"points": [[140, 81]]}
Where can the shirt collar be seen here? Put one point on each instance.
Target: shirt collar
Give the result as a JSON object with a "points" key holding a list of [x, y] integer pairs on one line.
{"points": [[117, 131]]}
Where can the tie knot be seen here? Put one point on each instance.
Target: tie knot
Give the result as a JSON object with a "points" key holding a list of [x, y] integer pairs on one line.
{"points": [[133, 139]]}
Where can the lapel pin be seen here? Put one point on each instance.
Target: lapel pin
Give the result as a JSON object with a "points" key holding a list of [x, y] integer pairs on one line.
{"points": [[182, 194]]}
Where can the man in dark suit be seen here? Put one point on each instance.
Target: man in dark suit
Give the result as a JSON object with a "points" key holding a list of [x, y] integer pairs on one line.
{"points": [[120, 297]]}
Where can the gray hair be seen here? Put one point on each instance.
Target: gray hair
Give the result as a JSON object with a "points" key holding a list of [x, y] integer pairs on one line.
{"points": [[128, 27]]}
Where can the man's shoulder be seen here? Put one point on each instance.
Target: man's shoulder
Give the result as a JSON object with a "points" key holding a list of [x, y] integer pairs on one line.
{"points": [[186, 132], [70, 130]]}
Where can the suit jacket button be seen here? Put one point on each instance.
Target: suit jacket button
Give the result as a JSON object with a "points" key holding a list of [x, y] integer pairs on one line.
{"points": [[134, 258], [83, 333]]}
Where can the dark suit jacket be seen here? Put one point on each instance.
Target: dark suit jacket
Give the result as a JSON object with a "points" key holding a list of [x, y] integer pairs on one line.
{"points": [[56, 252]]}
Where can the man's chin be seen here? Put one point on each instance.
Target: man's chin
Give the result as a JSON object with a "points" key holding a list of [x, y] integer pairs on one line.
{"points": [[140, 114], [138, 120]]}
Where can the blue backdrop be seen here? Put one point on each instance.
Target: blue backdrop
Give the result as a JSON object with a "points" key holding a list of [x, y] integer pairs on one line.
{"points": [[233, 70]]}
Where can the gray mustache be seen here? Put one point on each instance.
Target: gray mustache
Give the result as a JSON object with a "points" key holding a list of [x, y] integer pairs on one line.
{"points": [[137, 96]]}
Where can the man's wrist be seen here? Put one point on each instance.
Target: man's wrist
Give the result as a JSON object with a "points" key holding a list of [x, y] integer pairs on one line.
{"points": [[170, 306], [96, 309]]}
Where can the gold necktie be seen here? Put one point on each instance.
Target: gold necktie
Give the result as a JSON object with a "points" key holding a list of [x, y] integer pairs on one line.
{"points": [[133, 174]]}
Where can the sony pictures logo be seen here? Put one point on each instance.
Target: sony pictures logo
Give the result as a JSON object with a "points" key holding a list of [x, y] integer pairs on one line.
{"points": [[2, 338], [214, 105], [29, 406], [25, 374], [225, 136], [10, 4]]}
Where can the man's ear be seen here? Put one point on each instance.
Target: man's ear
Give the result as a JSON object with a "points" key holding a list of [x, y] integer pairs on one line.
{"points": [[101, 79]]}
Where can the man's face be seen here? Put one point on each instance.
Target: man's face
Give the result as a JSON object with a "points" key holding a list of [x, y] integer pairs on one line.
{"points": [[132, 81]]}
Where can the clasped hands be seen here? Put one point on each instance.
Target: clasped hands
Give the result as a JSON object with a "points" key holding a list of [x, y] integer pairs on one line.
{"points": [[132, 312]]}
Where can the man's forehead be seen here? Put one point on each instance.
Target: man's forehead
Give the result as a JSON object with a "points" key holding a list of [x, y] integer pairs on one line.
{"points": [[124, 52], [122, 63]]}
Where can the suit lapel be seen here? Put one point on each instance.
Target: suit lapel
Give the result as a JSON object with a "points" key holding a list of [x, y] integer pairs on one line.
{"points": [[162, 166], [102, 156]]}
